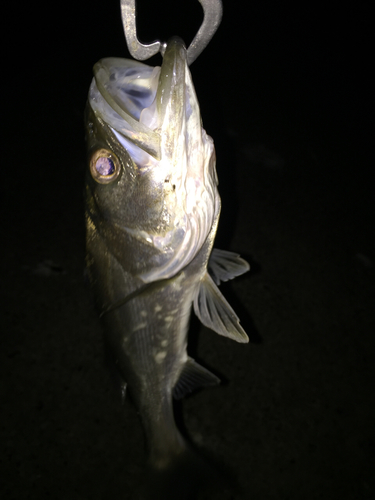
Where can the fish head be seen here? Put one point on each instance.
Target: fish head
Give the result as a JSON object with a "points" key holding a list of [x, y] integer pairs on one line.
{"points": [[151, 182]]}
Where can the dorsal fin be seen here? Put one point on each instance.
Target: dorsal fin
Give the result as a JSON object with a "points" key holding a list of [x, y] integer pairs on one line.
{"points": [[214, 312], [224, 265], [193, 376]]}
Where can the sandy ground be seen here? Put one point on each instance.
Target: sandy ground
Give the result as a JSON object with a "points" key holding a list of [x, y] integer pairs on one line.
{"points": [[285, 94]]}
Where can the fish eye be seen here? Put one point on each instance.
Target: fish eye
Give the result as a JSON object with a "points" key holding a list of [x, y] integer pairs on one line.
{"points": [[104, 166]]}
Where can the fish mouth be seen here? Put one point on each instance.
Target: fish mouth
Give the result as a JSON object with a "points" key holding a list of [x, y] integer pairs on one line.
{"points": [[143, 103]]}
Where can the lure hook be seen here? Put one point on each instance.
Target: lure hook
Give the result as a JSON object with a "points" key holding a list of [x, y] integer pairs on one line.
{"points": [[213, 11]]}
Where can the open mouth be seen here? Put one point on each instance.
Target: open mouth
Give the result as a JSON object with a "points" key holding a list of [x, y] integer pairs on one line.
{"points": [[136, 100]]}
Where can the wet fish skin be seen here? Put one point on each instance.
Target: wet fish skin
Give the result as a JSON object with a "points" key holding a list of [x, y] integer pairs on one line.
{"points": [[149, 238]]}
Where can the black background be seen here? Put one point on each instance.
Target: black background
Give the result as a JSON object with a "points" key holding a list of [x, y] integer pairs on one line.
{"points": [[285, 93]]}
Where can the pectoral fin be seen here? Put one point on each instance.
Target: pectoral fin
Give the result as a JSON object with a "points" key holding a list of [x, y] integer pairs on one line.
{"points": [[214, 312], [193, 376], [224, 266]]}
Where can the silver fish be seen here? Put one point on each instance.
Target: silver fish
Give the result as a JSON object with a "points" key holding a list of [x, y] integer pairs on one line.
{"points": [[152, 210]]}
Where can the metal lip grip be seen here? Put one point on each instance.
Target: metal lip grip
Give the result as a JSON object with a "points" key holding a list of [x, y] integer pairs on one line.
{"points": [[213, 11]]}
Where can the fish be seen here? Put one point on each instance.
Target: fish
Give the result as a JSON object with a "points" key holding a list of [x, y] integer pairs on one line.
{"points": [[152, 208]]}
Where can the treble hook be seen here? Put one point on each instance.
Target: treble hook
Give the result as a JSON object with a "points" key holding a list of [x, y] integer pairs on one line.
{"points": [[213, 11]]}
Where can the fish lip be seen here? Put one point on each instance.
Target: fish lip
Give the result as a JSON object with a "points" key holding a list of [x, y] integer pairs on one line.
{"points": [[171, 88]]}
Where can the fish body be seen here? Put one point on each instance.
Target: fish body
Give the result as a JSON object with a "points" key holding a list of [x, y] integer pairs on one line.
{"points": [[152, 210]]}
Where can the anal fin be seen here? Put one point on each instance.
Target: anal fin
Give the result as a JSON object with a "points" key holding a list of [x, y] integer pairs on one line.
{"points": [[193, 376], [214, 312]]}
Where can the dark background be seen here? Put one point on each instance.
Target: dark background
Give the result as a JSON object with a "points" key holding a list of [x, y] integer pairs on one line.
{"points": [[285, 92]]}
